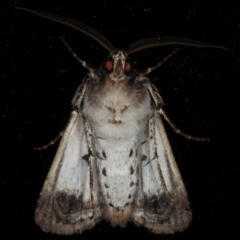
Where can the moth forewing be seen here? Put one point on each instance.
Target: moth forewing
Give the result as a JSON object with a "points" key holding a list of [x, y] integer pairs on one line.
{"points": [[165, 207], [180, 215], [65, 205]]}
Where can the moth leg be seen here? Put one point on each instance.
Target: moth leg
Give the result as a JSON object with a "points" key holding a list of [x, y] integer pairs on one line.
{"points": [[76, 105], [85, 64], [178, 131], [148, 70], [159, 104], [54, 140]]}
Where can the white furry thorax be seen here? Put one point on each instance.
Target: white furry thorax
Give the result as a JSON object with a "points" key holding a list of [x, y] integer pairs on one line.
{"points": [[117, 113]]}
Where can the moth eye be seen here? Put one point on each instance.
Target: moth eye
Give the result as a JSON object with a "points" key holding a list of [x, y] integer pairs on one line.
{"points": [[108, 65], [128, 67]]}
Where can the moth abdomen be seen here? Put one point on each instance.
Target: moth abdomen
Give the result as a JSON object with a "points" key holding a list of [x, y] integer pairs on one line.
{"points": [[115, 180]]}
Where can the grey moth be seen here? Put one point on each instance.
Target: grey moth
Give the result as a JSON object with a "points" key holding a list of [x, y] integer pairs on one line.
{"points": [[114, 160]]}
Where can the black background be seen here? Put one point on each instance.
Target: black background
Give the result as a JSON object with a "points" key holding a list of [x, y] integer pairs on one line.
{"points": [[200, 88]]}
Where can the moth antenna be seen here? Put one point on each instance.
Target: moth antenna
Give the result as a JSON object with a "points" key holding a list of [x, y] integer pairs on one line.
{"points": [[168, 40], [178, 131], [148, 70], [85, 64], [75, 24]]}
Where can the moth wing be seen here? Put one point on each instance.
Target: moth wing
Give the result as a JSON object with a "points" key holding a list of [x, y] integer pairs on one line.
{"points": [[162, 203], [65, 204]]}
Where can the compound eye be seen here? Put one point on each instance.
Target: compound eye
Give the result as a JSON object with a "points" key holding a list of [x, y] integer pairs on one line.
{"points": [[128, 67], [108, 65]]}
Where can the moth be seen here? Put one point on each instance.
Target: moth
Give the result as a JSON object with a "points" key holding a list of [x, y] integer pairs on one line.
{"points": [[114, 160]]}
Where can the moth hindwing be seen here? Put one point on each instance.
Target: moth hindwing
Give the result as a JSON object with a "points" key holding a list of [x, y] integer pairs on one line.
{"points": [[114, 160]]}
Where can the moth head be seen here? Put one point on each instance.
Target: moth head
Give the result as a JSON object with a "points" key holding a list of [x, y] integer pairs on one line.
{"points": [[117, 65]]}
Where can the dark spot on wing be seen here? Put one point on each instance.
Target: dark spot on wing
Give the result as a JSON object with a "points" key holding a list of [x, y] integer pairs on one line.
{"points": [[127, 203], [131, 184], [111, 205], [104, 154], [129, 196], [131, 170], [86, 157], [157, 204], [143, 157], [131, 153], [106, 185], [65, 203], [104, 172]]}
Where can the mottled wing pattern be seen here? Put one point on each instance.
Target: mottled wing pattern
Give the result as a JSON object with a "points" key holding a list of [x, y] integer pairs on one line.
{"points": [[162, 204], [67, 204]]}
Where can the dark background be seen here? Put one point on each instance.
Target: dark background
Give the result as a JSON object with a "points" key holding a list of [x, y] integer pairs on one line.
{"points": [[200, 88]]}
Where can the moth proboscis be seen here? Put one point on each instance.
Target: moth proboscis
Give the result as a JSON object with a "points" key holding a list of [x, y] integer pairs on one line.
{"points": [[114, 160]]}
